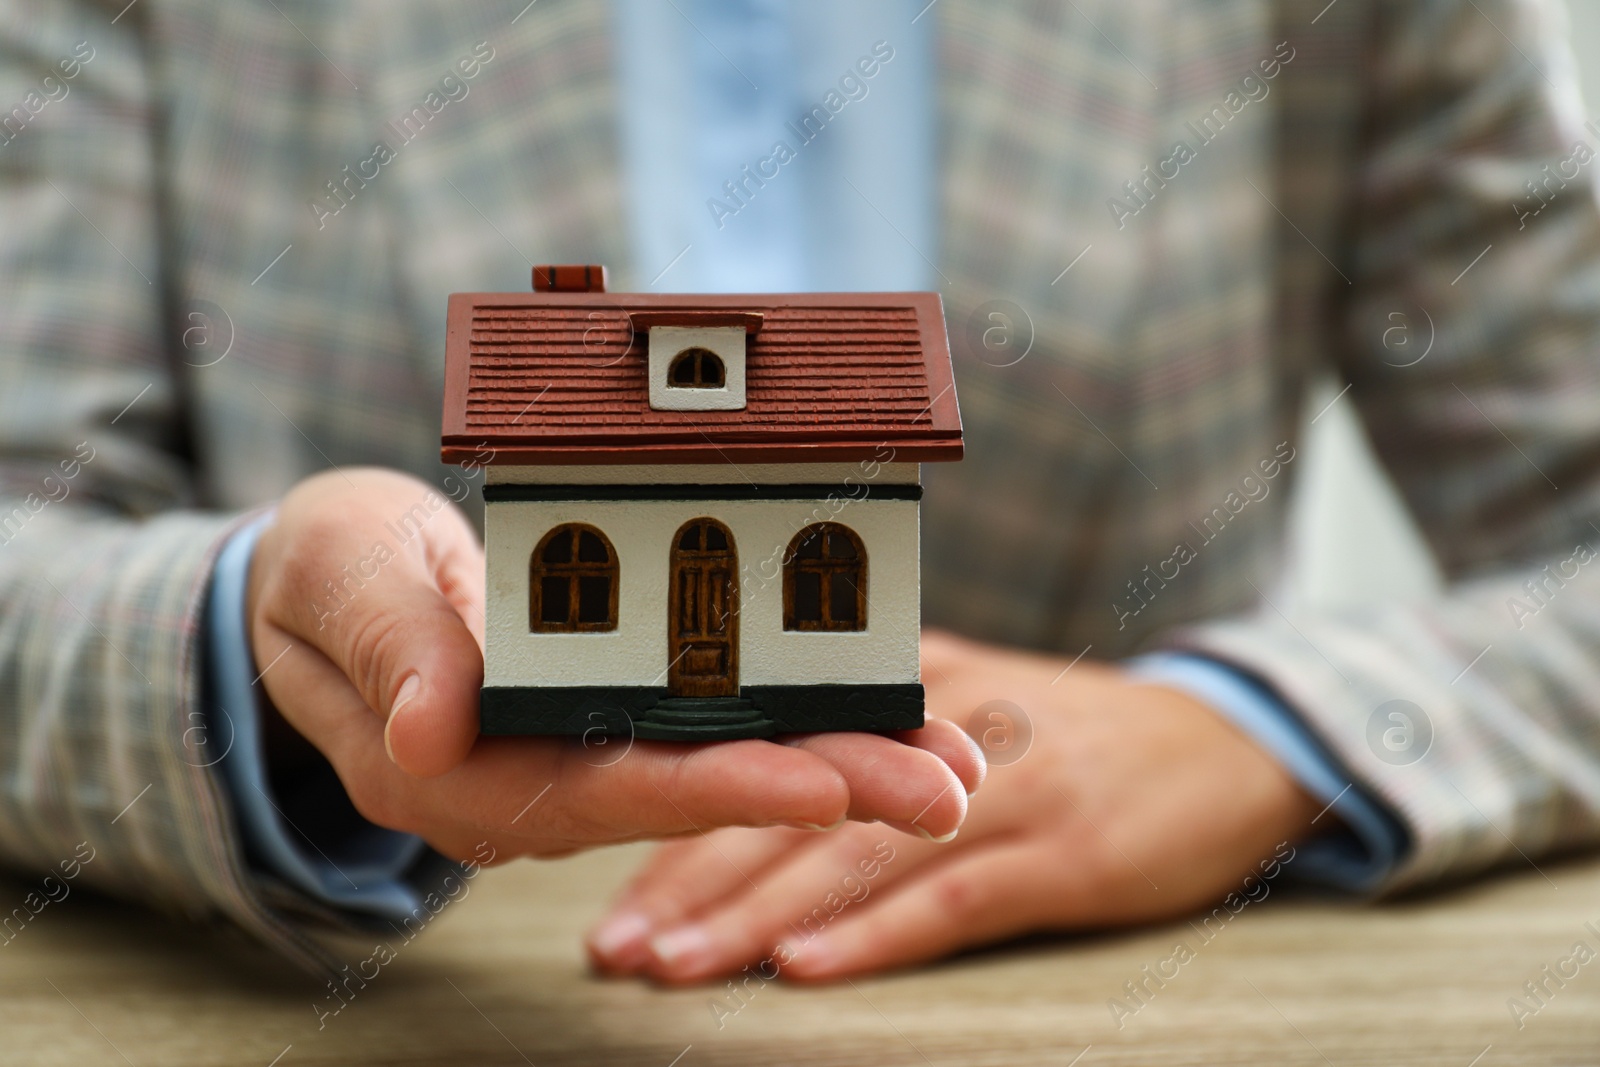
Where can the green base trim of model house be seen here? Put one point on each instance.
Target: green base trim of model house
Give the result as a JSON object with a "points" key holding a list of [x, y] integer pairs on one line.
{"points": [[599, 710]]}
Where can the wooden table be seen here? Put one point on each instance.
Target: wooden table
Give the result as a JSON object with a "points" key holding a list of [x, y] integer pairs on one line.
{"points": [[500, 979]]}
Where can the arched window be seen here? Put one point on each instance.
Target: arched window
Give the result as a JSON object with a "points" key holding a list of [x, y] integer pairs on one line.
{"points": [[825, 580], [696, 368], [572, 582]]}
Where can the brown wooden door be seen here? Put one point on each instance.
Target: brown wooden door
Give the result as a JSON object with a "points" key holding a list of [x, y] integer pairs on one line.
{"points": [[703, 612]]}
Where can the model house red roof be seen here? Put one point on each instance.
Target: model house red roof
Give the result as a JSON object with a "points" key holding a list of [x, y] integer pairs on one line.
{"points": [[560, 377]]}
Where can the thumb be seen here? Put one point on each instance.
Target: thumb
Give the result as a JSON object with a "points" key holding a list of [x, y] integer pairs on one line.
{"points": [[432, 671], [380, 584]]}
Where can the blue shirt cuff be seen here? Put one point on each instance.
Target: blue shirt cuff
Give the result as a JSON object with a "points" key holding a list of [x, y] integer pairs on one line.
{"points": [[311, 836], [1357, 856]]}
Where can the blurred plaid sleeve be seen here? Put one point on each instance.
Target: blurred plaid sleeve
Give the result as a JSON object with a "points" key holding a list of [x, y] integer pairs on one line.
{"points": [[104, 561], [1493, 439]]}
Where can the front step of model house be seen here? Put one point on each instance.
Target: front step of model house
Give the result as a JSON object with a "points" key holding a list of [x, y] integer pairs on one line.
{"points": [[701, 511]]}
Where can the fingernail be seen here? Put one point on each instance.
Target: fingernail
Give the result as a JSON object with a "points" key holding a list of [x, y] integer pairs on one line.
{"points": [[913, 828], [812, 957], [408, 693], [621, 936], [681, 947]]}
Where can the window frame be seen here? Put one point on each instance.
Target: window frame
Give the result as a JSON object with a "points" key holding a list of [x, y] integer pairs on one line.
{"points": [[573, 571], [697, 353], [825, 567]]}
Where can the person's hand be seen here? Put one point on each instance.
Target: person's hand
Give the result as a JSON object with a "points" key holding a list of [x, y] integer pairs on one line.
{"points": [[1134, 803], [366, 615]]}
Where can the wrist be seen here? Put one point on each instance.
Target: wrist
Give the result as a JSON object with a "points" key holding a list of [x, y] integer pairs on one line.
{"points": [[1281, 806]]}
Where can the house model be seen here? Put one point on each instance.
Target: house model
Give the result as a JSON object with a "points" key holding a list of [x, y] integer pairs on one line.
{"points": [[701, 511]]}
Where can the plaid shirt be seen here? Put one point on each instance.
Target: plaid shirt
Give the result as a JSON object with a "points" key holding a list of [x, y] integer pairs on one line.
{"points": [[189, 326]]}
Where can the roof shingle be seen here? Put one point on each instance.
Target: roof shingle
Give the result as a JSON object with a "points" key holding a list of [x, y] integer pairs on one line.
{"points": [[556, 378]]}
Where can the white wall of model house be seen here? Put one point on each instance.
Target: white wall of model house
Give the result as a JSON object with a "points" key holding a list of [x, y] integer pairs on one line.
{"points": [[641, 532]]}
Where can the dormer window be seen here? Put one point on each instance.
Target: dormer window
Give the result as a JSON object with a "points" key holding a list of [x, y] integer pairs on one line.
{"points": [[696, 368], [696, 356]]}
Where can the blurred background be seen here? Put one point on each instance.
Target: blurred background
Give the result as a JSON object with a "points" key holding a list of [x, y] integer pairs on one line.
{"points": [[1352, 538]]}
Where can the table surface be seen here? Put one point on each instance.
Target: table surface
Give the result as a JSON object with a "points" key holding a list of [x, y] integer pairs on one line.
{"points": [[499, 978]]}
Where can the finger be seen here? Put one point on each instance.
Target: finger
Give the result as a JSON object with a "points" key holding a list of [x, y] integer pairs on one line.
{"points": [[795, 898], [950, 657], [433, 719], [684, 878], [908, 788], [946, 649], [344, 729], [981, 894], [372, 602], [538, 796], [807, 781], [952, 745], [460, 577], [663, 787], [351, 739], [541, 797], [681, 879]]}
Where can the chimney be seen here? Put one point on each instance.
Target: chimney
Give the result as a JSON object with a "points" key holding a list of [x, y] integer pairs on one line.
{"points": [[569, 278]]}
